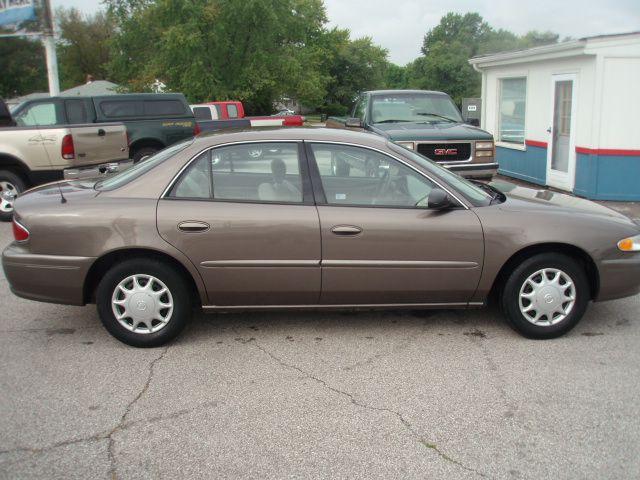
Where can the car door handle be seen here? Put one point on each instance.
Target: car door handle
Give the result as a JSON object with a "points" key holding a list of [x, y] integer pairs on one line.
{"points": [[346, 230], [193, 227], [101, 132]]}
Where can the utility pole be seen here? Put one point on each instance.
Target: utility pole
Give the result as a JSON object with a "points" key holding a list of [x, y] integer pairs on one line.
{"points": [[49, 42]]}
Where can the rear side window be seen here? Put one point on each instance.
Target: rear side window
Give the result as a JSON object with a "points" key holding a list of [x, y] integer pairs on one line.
{"points": [[233, 111], [76, 111], [163, 107], [202, 113], [267, 172], [121, 108]]}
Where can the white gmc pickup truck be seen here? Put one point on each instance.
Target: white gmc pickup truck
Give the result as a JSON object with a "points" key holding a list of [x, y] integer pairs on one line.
{"points": [[36, 149]]}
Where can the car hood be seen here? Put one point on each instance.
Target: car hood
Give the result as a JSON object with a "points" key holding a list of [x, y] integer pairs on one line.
{"points": [[527, 199], [430, 131]]}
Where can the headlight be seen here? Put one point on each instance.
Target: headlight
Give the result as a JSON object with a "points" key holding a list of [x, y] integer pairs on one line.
{"points": [[409, 145], [484, 145], [631, 244]]}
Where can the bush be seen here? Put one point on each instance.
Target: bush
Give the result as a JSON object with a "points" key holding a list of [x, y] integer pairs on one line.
{"points": [[334, 110]]}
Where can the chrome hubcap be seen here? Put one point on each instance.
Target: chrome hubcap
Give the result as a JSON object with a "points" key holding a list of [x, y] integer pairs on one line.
{"points": [[547, 297], [8, 194], [142, 304]]}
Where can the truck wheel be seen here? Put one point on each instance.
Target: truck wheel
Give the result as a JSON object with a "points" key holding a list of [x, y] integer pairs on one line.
{"points": [[143, 302], [11, 185], [144, 152]]}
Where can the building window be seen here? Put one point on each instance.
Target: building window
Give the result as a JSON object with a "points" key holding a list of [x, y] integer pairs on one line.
{"points": [[511, 110]]}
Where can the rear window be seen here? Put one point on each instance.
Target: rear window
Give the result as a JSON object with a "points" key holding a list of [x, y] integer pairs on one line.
{"points": [[163, 107], [131, 173], [121, 108], [202, 113]]}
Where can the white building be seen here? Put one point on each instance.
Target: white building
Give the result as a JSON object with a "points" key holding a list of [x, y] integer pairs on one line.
{"points": [[568, 115]]}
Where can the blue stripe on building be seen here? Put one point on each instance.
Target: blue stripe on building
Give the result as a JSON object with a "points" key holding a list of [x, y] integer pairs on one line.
{"points": [[529, 165], [608, 177]]}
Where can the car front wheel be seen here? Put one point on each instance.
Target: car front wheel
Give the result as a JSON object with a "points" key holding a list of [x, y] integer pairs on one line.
{"points": [[546, 295], [143, 302]]}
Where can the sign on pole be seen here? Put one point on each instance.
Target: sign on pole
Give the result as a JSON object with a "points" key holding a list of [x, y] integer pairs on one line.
{"points": [[13, 12]]}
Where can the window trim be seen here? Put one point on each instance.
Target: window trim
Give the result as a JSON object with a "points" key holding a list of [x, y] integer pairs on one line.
{"points": [[307, 192], [515, 76], [321, 198]]}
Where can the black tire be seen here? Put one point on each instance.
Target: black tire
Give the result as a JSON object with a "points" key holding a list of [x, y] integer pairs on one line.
{"points": [[144, 152], [510, 298], [6, 212], [172, 279]]}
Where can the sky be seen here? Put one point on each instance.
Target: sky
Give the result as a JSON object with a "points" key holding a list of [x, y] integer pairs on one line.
{"points": [[400, 25]]}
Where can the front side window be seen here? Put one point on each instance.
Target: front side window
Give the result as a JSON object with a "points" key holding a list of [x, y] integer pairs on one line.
{"points": [[40, 114], [358, 110], [511, 110], [256, 172], [76, 111], [358, 176], [419, 107]]}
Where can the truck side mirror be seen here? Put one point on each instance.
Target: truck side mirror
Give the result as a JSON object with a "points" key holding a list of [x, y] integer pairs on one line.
{"points": [[473, 121], [353, 123]]}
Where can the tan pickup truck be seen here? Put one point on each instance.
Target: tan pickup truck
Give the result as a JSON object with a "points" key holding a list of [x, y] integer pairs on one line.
{"points": [[35, 148]]}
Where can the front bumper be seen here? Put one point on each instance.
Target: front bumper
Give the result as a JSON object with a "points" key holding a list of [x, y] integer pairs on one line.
{"points": [[474, 170], [45, 278], [619, 278]]}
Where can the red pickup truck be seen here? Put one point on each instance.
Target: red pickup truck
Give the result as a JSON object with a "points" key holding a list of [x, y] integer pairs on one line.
{"points": [[230, 114]]}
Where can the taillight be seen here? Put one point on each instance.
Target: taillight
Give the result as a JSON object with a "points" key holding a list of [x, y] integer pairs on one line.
{"points": [[196, 130], [68, 151], [20, 233]]}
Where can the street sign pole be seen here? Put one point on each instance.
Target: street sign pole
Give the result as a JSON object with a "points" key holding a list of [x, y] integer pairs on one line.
{"points": [[49, 43]]}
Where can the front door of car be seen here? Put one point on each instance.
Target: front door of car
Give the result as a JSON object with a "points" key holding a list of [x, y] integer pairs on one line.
{"points": [[248, 224], [380, 242]]}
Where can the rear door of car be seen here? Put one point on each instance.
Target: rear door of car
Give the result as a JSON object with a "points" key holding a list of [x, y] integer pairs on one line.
{"points": [[248, 224], [380, 242]]}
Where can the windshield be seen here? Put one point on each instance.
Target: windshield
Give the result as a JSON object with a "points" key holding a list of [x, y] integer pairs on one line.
{"points": [[476, 195], [413, 107], [141, 167]]}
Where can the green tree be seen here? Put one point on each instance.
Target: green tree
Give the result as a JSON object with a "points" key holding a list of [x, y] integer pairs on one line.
{"points": [[395, 76], [22, 66], [252, 50], [83, 48], [448, 46]]}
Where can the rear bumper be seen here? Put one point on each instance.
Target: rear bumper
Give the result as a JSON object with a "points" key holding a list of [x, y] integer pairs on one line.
{"points": [[619, 278], [45, 278], [474, 170]]}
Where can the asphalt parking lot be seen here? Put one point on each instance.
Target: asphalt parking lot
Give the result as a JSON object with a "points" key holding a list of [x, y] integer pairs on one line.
{"points": [[429, 394]]}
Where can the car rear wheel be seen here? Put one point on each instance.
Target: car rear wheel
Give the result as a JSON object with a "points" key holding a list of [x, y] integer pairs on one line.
{"points": [[143, 302], [11, 186], [546, 295]]}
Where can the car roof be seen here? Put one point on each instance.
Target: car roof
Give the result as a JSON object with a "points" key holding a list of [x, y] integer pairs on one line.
{"points": [[289, 133], [395, 92]]}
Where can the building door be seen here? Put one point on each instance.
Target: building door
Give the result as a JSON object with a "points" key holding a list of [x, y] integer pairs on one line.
{"points": [[561, 154]]}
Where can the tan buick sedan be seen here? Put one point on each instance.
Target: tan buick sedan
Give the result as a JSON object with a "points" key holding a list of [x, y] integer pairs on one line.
{"points": [[322, 219]]}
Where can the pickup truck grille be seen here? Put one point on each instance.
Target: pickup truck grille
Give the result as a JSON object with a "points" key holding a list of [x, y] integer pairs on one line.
{"points": [[445, 152]]}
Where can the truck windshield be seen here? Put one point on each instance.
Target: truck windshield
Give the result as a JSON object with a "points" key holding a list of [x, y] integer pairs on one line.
{"points": [[124, 177], [413, 107], [476, 195]]}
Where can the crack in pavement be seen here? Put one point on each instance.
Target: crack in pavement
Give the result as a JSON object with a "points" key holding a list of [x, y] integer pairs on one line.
{"points": [[123, 418], [407, 425]]}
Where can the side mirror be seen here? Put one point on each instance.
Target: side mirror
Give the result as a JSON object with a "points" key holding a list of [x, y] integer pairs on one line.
{"points": [[439, 200], [5, 115], [353, 123], [473, 121]]}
